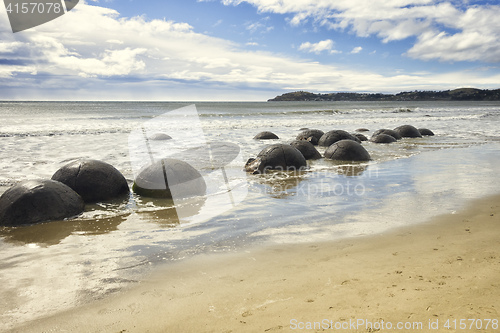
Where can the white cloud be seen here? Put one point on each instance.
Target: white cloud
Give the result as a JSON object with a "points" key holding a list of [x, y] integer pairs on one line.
{"points": [[431, 21], [10, 47], [93, 53], [261, 26], [356, 50], [324, 45]]}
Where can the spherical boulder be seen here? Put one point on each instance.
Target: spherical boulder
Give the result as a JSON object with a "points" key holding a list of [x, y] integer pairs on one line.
{"points": [[331, 137], [383, 138], [266, 136], [390, 132], [307, 149], [93, 180], [360, 137], [347, 150], [311, 135], [169, 178], [160, 137], [277, 157], [36, 201], [426, 132], [408, 131]]}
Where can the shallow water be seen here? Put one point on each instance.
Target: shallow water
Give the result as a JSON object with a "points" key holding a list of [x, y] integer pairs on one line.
{"points": [[52, 266]]}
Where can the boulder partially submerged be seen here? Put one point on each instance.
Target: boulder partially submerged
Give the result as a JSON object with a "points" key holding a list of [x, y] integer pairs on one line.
{"points": [[36, 201], [169, 178], [266, 136], [408, 131], [426, 132], [311, 135], [93, 180], [277, 157], [383, 138], [390, 132], [347, 150], [307, 149], [331, 137]]}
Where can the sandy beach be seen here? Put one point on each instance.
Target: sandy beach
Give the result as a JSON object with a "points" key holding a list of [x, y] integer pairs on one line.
{"points": [[433, 277]]}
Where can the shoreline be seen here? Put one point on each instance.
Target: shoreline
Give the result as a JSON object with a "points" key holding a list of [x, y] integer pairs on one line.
{"points": [[444, 269]]}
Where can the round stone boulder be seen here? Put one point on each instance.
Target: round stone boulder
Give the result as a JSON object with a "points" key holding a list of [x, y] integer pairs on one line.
{"points": [[93, 180], [383, 138], [307, 149], [408, 131], [311, 135], [277, 157], [360, 137], [347, 150], [160, 137], [266, 136], [331, 137], [390, 132], [426, 132], [170, 178], [36, 201]]}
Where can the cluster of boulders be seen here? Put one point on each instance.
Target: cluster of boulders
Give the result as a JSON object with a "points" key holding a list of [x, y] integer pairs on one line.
{"points": [[90, 181], [340, 145]]}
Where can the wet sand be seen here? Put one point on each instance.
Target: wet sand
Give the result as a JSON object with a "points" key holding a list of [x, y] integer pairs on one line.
{"points": [[436, 274]]}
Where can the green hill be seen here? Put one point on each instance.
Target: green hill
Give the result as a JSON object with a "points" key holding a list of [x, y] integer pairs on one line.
{"points": [[462, 94]]}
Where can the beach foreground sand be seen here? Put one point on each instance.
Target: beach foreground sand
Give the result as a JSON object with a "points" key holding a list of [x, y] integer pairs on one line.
{"points": [[443, 274]]}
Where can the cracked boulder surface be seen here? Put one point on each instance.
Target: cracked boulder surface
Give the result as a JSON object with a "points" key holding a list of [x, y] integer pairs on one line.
{"points": [[347, 150], [331, 137], [37, 201], [281, 157], [383, 138], [311, 135], [387, 131], [307, 149], [93, 180]]}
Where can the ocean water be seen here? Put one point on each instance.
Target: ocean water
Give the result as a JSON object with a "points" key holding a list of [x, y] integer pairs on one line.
{"points": [[53, 266]]}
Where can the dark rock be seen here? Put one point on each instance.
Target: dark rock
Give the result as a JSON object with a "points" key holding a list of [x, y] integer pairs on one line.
{"points": [[266, 136], [390, 132], [307, 149], [93, 180], [426, 132], [383, 138], [310, 139], [408, 131], [169, 178], [331, 137], [311, 135], [277, 157], [360, 137], [160, 137], [347, 150], [362, 130], [36, 201]]}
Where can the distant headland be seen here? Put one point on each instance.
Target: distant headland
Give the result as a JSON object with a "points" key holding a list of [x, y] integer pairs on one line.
{"points": [[462, 94]]}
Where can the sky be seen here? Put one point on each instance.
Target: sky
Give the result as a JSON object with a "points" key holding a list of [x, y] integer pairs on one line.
{"points": [[250, 50]]}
